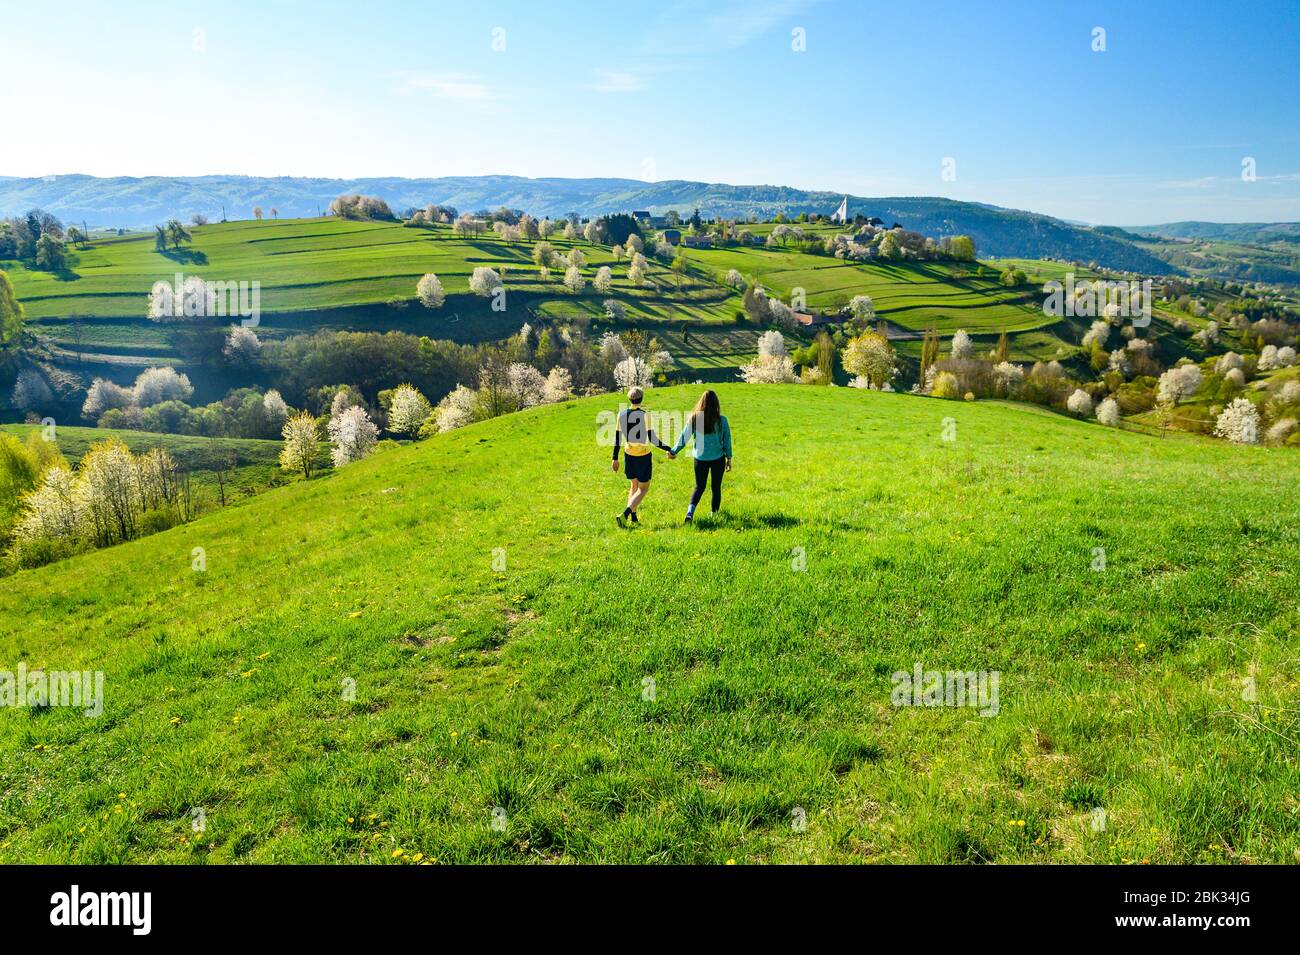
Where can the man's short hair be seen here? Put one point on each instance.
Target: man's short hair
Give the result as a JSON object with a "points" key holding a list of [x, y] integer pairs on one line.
{"points": [[635, 394]]}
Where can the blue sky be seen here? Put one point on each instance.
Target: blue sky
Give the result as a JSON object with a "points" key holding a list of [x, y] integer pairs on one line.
{"points": [[1153, 129]]}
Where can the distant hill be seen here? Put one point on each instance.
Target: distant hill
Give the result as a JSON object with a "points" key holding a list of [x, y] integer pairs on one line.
{"points": [[1252, 232], [126, 202]]}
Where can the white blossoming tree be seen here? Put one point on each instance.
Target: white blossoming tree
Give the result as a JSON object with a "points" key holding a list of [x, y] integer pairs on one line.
{"points": [[633, 372], [1079, 403], [242, 346], [962, 346], [104, 395], [573, 279], [1239, 422], [1179, 383], [407, 410], [484, 281], [353, 435], [429, 291], [1108, 413], [154, 385], [559, 385], [604, 280], [301, 445]]}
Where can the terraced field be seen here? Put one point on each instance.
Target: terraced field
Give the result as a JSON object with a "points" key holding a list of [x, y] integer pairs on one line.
{"points": [[339, 274]]}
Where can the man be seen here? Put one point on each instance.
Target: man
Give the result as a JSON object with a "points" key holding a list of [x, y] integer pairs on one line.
{"points": [[634, 430]]}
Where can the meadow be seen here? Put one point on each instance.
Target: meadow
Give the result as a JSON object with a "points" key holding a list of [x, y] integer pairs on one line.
{"points": [[448, 653], [340, 274]]}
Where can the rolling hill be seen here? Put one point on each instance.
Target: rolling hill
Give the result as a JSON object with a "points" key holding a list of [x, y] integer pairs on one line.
{"points": [[339, 274], [448, 653], [129, 202]]}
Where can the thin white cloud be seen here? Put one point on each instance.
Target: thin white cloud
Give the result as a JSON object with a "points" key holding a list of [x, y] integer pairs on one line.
{"points": [[729, 25], [608, 81], [460, 86]]}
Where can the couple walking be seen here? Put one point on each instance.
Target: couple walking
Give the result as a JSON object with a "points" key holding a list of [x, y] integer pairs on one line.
{"points": [[706, 427]]}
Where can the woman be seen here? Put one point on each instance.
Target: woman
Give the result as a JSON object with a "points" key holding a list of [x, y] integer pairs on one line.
{"points": [[712, 451]]}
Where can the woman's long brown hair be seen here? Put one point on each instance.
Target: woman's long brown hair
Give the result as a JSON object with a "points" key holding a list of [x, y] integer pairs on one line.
{"points": [[707, 412]]}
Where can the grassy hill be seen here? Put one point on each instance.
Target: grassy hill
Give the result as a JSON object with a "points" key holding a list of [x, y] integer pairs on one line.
{"points": [[855, 542], [134, 202], [339, 274]]}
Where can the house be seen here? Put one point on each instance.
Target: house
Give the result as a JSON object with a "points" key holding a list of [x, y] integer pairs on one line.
{"points": [[672, 236], [641, 215], [860, 238], [698, 241]]}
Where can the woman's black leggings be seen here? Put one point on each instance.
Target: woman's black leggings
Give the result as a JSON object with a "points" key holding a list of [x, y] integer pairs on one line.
{"points": [[702, 471]]}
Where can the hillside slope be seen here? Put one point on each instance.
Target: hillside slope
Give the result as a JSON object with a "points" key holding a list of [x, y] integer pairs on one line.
{"points": [[502, 635], [129, 202]]}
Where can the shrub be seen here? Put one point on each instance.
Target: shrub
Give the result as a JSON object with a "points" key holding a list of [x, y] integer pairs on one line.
{"points": [[1079, 403], [769, 370], [1108, 413], [945, 385]]}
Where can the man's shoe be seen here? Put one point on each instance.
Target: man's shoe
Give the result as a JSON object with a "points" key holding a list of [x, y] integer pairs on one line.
{"points": [[621, 521]]}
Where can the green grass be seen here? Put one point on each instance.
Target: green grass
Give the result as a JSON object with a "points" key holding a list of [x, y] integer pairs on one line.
{"points": [[522, 687], [339, 274]]}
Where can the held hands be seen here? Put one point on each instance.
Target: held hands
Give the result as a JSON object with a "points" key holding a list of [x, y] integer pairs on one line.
{"points": [[728, 464], [672, 455]]}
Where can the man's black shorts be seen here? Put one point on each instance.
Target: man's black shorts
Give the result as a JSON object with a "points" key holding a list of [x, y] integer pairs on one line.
{"points": [[636, 467]]}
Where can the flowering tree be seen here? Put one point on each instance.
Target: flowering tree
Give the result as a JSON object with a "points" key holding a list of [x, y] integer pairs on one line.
{"points": [[771, 343], [429, 291], [353, 434], [604, 279], [633, 372], [1108, 413], [484, 281], [300, 444], [275, 407], [637, 271], [871, 356], [242, 346], [457, 409], [103, 395], [769, 370], [154, 385], [1239, 422], [1179, 383], [1079, 403], [573, 279], [612, 348], [407, 410], [559, 385], [527, 385], [735, 279], [962, 346], [781, 315]]}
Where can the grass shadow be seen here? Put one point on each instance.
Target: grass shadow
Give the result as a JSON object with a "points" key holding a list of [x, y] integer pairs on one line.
{"points": [[730, 520], [186, 256]]}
